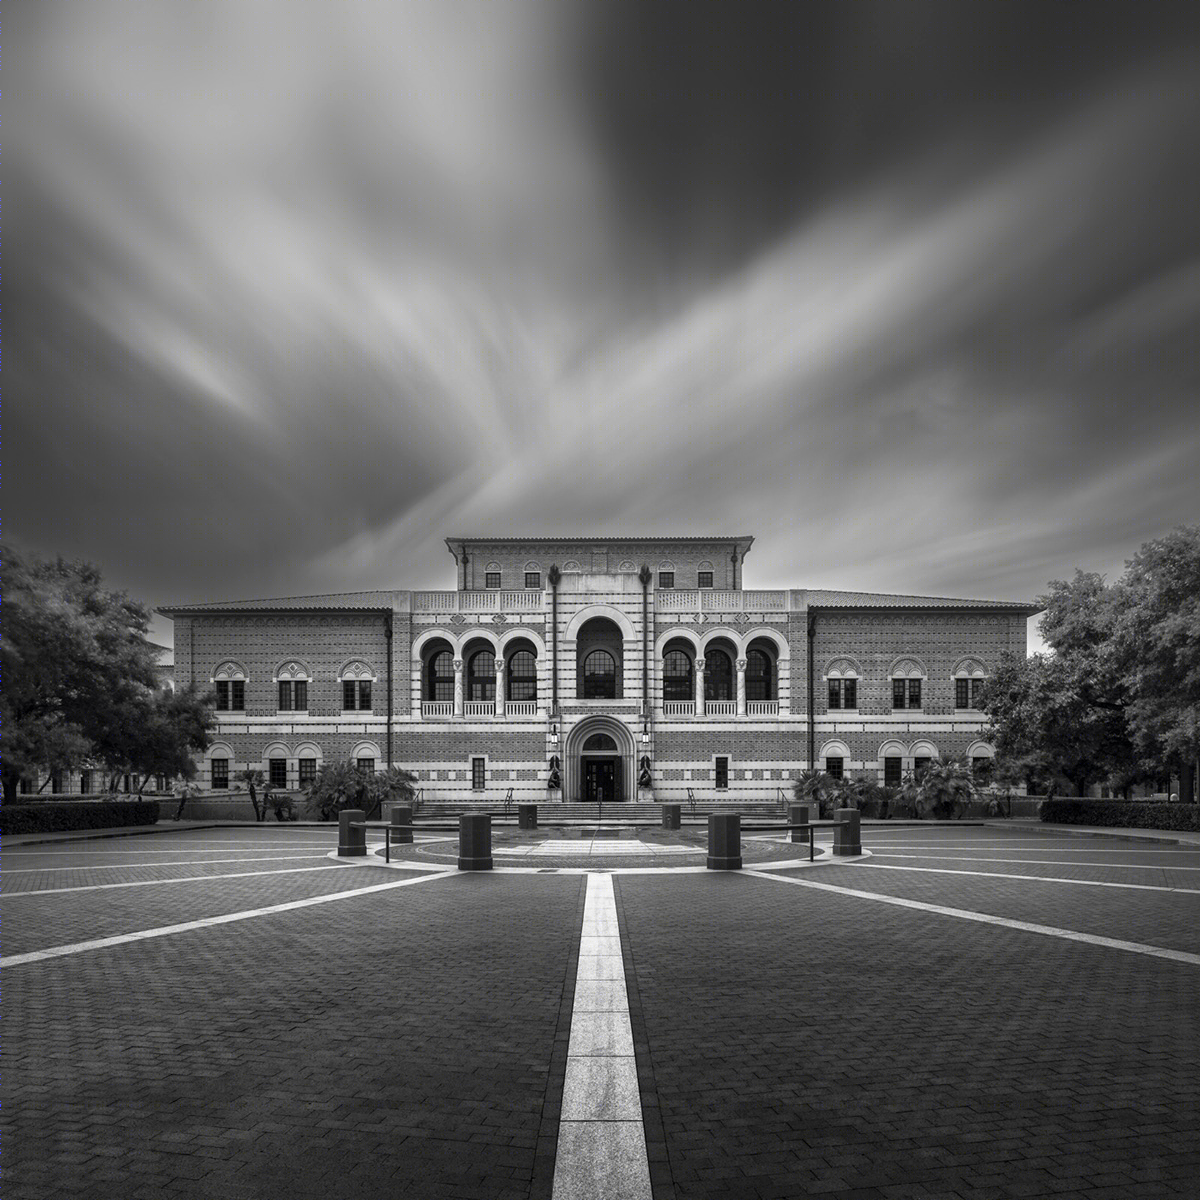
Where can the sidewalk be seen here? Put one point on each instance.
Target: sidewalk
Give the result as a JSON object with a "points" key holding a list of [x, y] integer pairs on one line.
{"points": [[1172, 837]]}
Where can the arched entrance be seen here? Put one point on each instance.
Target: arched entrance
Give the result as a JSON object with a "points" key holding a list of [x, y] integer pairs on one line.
{"points": [[599, 761]]}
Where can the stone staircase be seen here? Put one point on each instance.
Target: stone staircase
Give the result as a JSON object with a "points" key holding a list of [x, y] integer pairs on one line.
{"points": [[627, 811]]}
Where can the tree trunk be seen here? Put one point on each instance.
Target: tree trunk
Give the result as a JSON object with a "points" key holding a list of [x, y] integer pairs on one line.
{"points": [[1187, 787]]}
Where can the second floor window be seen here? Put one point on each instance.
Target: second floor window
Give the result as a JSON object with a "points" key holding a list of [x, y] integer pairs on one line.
{"points": [[533, 579], [440, 680], [967, 693], [599, 676], [666, 579], [231, 695], [491, 579], [704, 579], [481, 676], [906, 693], [293, 695], [522, 676], [677, 676], [843, 693], [356, 694]]}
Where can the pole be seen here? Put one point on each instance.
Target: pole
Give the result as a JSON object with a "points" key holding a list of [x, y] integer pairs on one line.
{"points": [[554, 576], [812, 731], [387, 633]]}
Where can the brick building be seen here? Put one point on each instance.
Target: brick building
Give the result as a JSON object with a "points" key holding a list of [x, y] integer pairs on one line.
{"points": [[613, 660]]}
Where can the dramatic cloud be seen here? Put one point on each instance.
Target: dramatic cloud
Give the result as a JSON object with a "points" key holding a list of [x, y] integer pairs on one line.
{"points": [[910, 292]]}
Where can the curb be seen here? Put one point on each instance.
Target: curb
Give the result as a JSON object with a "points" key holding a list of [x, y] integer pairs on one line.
{"points": [[1075, 832]]}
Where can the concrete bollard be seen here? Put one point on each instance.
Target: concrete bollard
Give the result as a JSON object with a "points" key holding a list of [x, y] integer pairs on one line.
{"points": [[670, 816], [527, 816], [847, 838], [725, 842], [798, 815], [352, 843], [475, 842], [401, 815]]}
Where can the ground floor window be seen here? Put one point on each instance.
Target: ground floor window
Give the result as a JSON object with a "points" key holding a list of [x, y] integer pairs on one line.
{"points": [[55, 783], [85, 782], [833, 767], [891, 771], [478, 774], [981, 767], [722, 772], [220, 774], [26, 787], [367, 765], [308, 771], [278, 772], [920, 766]]}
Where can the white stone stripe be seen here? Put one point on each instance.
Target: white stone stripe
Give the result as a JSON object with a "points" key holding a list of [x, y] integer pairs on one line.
{"points": [[141, 935], [1137, 887], [601, 1139], [1070, 935], [100, 887], [183, 862], [1034, 862], [39, 852]]}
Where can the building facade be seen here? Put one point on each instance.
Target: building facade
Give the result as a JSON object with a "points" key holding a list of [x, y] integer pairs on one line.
{"points": [[594, 669]]}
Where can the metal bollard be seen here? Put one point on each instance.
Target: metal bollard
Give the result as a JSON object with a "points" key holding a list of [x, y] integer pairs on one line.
{"points": [[725, 842], [847, 837], [798, 815], [401, 815], [670, 816], [527, 816], [352, 843], [475, 842]]}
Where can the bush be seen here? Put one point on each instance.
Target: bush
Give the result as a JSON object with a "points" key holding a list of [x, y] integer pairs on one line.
{"points": [[1130, 814], [48, 816]]}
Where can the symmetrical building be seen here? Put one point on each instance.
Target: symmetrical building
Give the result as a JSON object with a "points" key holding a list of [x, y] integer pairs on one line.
{"points": [[602, 668]]}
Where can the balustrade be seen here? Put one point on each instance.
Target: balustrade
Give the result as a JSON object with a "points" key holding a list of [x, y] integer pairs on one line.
{"points": [[679, 708], [437, 708], [762, 708], [720, 708], [521, 708], [479, 708]]}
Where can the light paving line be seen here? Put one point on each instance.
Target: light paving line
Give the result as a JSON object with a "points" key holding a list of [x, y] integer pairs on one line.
{"points": [[100, 887], [37, 852], [965, 914], [141, 935], [183, 862], [601, 1139], [1136, 887], [1034, 862], [1058, 848]]}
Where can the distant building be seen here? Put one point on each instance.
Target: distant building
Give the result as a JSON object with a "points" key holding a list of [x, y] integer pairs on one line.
{"points": [[598, 653]]}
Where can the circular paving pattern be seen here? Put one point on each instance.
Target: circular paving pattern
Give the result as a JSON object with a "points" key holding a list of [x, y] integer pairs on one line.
{"points": [[551, 847]]}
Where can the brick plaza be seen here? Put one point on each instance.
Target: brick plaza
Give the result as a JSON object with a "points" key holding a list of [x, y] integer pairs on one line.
{"points": [[963, 1012]]}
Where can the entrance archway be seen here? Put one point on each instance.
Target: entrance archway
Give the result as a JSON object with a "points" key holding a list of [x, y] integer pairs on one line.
{"points": [[599, 761]]}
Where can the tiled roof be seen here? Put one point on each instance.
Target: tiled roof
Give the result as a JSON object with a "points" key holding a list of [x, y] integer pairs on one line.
{"points": [[822, 598], [330, 600]]}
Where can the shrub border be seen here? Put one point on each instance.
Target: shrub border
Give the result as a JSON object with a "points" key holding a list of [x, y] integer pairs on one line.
{"points": [[51, 817], [1128, 814]]}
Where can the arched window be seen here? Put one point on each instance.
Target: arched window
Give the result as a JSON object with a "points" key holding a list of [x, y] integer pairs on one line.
{"points": [[599, 676], [718, 675], [481, 676], [600, 741], [439, 677], [677, 676], [522, 676], [760, 679]]}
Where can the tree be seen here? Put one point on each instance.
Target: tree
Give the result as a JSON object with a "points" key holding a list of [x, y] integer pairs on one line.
{"points": [[78, 680], [253, 780]]}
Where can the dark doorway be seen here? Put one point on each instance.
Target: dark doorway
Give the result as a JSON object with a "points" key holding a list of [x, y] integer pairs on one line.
{"points": [[601, 780]]}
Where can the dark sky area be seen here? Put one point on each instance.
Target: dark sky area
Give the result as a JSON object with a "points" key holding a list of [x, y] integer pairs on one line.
{"points": [[910, 291]]}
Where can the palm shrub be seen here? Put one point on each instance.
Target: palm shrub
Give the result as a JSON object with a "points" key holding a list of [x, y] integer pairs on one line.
{"points": [[252, 780], [865, 793], [815, 787], [945, 789], [342, 785]]}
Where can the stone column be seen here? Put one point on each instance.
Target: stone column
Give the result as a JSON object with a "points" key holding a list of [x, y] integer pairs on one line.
{"points": [[458, 687], [741, 687], [699, 687], [499, 685]]}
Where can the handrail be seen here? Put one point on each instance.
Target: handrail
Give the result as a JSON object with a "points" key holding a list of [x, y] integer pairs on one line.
{"points": [[692, 800], [508, 799]]}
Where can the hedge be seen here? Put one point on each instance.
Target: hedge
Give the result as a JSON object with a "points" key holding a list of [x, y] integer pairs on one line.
{"points": [[47, 816], [1129, 814]]}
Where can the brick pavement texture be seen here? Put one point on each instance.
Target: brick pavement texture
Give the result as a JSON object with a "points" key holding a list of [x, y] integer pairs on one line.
{"points": [[805, 1044], [391, 1044]]}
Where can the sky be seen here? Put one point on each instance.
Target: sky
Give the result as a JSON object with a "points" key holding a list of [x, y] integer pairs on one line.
{"points": [[909, 291]]}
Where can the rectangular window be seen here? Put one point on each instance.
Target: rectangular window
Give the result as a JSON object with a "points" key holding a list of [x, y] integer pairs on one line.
{"points": [[833, 768], [533, 579], [220, 774], [962, 693], [478, 774], [222, 696], [55, 782], [160, 783], [285, 695], [356, 694], [300, 692], [308, 772], [703, 579], [364, 695], [26, 787], [914, 693], [722, 773], [835, 693], [976, 691], [349, 695], [85, 782], [491, 579], [898, 693], [850, 693], [666, 579], [891, 771], [237, 695], [367, 765], [127, 786], [981, 766], [920, 765], [278, 775]]}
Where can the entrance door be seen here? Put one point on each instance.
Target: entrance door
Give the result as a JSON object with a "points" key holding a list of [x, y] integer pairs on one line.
{"points": [[601, 780]]}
